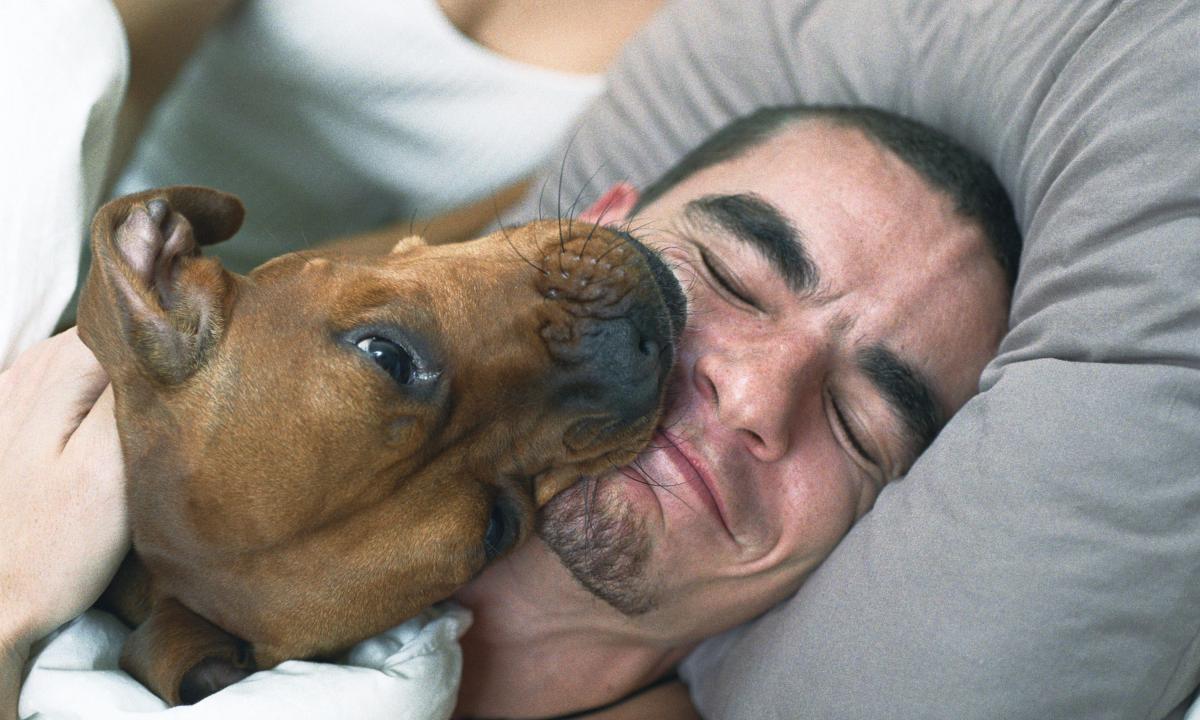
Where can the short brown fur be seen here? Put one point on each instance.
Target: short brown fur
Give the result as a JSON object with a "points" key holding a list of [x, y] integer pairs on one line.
{"points": [[288, 498]]}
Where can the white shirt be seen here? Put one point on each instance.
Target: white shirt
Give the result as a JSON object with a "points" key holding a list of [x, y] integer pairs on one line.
{"points": [[331, 118]]}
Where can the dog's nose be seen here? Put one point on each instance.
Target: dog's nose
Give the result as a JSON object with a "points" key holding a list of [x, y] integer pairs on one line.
{"points": [[620, 366]]}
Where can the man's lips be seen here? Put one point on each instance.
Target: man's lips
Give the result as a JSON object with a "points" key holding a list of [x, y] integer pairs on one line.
{"points": [[695, 474]]}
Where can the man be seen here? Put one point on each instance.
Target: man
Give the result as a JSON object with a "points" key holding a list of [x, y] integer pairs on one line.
{"points": [[848, 276]]}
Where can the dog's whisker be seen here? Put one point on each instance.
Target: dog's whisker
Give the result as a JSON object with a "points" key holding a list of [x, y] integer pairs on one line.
{"points": [[496, 214], [541, 197], [604, 254], [667, 487], [305, 240], [635, 472], [303, 255], [658, 483], [587, 240], [504, 233], [599, 219], [574, 204], [513, 246], [579, 196], [562, 169], [412, 221], [638, 231], [634, 475], [676, 440]]}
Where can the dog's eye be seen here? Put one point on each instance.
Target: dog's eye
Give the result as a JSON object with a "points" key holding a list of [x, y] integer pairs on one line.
{"points": [[395, 360], [501, 530]]}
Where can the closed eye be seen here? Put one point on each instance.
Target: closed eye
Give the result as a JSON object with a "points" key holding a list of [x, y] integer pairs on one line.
{"points": [[720, 275], [848, 431]]}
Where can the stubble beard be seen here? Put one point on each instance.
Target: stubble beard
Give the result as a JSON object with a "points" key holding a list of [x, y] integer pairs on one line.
{"points": [[602, 543]]}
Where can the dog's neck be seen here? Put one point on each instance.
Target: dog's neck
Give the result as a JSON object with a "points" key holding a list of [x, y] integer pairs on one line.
{"points": [[541, 645]]}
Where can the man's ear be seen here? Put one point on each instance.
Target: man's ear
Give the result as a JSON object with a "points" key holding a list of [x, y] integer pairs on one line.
{"points": [[614, 206], [150, 299]]}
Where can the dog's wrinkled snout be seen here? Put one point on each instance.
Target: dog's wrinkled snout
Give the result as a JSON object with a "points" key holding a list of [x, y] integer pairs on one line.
{"points": [[617, 312]]}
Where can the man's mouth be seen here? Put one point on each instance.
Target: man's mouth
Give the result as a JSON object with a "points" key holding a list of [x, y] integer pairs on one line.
{"points": [[694, 473]]}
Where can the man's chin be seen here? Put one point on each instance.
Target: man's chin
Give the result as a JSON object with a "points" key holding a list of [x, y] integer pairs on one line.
{"points": [[602, 543]]}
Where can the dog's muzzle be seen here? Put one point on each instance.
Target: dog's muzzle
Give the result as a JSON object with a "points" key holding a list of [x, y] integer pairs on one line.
{"points": [[626, 311]]}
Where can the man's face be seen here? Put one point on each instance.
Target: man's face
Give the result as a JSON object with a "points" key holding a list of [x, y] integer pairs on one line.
{"points": [[839, 312]]}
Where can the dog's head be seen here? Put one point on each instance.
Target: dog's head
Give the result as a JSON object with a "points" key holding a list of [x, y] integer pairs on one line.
{"points": [[422, 403]]}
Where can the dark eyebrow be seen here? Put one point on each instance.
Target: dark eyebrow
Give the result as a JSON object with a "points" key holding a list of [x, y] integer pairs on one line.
{"points": [[753, 220], [907, 391]]}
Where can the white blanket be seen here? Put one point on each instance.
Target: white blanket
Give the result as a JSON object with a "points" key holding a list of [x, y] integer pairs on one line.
{"points": [[411, 671]]}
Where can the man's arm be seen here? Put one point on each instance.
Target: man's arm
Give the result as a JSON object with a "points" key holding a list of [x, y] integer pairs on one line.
{"points": [[62, 490]]}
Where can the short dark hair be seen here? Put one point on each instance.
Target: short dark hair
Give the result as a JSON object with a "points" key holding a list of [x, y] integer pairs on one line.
{"points": [[943, 163]]}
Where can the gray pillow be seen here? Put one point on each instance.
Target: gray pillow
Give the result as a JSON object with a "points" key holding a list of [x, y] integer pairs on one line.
{"points": [[1042, 559]]}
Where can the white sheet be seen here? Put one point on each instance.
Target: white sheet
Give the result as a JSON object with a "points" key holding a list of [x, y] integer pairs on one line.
{"points": [[411, 671]]}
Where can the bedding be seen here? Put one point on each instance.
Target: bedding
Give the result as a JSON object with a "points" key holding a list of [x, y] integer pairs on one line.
{"points": [[1042, 559], [410, 671]]}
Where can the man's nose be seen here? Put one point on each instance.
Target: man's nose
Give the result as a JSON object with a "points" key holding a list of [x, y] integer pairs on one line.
{"points": [[760, 395]]}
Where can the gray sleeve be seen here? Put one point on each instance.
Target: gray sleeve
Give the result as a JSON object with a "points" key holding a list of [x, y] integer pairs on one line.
{"points": [[1042, 559]]}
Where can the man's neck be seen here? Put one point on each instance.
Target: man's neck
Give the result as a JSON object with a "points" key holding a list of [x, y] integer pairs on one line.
{"points": [[527, 656]]}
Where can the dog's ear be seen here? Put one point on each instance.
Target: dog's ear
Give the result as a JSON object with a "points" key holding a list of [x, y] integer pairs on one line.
{"points": [[149, 292], [407, 243]]}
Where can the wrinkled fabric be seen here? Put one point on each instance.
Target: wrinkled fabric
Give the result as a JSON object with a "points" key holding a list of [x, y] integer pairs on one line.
{"points": [[410, 671]]}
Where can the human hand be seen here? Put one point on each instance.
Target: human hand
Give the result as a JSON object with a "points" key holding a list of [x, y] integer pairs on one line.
{"points": [[62, 489]]}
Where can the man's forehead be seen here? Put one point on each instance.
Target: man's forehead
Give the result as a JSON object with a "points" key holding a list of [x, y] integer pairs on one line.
{"points": [[831, 177], [842, 189], [841, 161]]}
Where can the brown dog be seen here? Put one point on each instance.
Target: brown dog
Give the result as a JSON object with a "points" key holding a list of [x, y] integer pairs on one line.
{"points": [[319, 450]]}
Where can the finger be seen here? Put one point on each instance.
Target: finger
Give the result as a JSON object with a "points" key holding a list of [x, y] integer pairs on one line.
{"points": [[97, 447], [73, 353], [98, 444], [72, 383], [97, 432], [41, 393]]}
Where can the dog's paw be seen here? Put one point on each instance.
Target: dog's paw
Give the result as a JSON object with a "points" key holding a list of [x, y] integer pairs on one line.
{"points": [[210, 675]]}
